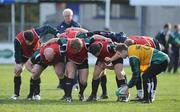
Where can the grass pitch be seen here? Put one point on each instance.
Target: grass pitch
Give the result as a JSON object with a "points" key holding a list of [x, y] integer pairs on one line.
{"points": [[167, 97]]}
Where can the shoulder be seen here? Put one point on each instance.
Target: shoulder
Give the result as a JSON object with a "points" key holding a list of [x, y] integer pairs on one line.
{"points": [[61, 25], [75, 24]]}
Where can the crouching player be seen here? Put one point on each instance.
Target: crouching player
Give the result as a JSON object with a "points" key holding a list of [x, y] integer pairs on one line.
{"points": [[25, 44], [148, 41], [47, 55], [102, 49], [144, 59]]}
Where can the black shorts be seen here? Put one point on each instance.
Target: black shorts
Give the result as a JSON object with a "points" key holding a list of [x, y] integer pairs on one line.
{"points": [[83, 65], [24, 59], [38, 61], [118, 61], [155, 69]]}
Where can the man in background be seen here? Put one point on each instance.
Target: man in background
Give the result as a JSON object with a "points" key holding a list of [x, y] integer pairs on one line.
{"points": [[67, 23]]}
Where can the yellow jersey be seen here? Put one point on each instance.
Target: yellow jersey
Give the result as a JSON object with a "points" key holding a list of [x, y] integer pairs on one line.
{"points": [[142, 53]]}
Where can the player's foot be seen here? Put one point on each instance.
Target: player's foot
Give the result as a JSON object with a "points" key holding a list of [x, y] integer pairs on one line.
{"points": [[14, 97], [63, 98], [104, 96], [30, 97], [37, 97], [91, 98], [138, 98], [81, 97], [68, 99], [145, 101]]}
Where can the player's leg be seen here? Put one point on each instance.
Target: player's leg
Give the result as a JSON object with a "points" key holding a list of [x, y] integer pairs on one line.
{"points": [[120, 80], [83, 77], [17, 78], [70, 70], [148, 75], [35, 82], [154, 83], [139, 95], [103, 80], [98, 69], [60, 69]]}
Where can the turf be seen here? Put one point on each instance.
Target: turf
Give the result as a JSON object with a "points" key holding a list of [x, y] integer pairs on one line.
{"points": [[167, 97]]}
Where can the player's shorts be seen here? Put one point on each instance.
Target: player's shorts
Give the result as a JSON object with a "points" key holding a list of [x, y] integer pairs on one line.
{"points": [[155, 69], [118, 61], [83, 65]]}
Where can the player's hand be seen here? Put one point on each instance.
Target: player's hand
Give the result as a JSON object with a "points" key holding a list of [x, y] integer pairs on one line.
{"points": [[108, 40], [18, 68], [108, 59]]}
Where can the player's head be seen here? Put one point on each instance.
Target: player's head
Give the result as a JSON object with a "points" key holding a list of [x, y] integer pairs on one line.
{"points": [[76, 45], [177, 28], [95, 49], [49, 54], [129, 42], [122, 50], [68, 15], [167, 27], [28, 36]]}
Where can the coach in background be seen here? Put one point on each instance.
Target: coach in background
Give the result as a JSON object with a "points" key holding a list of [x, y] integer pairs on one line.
{"points": [[67, 23], [25, 44], [174, 40], [163, 37]]}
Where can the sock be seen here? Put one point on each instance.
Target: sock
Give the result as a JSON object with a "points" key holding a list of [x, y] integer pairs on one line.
{"points": [[37, 87], [32, 88], [69, 85], [139, 84], [95, 84], [82, 88], [146, 87], [103, 84], [62, 82], [64, 85], [120, 82], [140, 93], [155, 82], [17, 85]]}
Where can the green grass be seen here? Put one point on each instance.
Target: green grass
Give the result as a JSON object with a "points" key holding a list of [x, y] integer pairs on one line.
{"points": [[167, 97]]}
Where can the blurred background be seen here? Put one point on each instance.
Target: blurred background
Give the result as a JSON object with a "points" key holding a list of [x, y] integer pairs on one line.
{"points": [[134, 17]]}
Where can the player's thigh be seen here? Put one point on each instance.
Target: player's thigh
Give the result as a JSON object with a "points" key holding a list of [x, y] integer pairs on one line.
{"points": [[37, 70], [98, 69], [59, 69], [70, 69], [118, 69]]}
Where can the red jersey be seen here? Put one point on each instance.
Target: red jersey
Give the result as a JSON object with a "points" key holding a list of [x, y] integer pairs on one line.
{"points": [[77, 58], [57, 56], [104, 52], [26, 49], [143, 40]]}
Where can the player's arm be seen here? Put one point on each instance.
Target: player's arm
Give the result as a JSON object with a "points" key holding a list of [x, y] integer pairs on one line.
{"points": [[101, 38], [35, 58], [18, 52], [135, 67], [77, 29], [43, 30]]}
